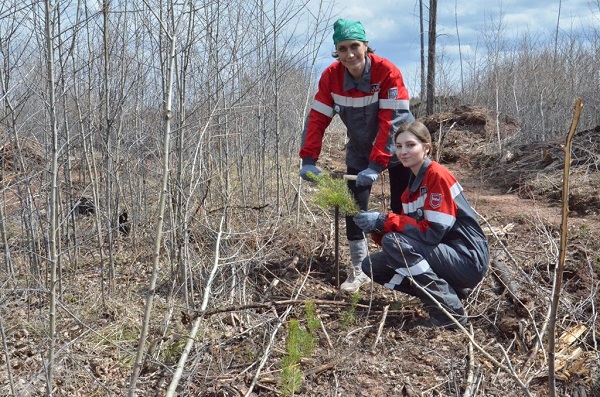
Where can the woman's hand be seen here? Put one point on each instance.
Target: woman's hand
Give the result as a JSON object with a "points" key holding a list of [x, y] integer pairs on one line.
{"points": [[370, 221]]}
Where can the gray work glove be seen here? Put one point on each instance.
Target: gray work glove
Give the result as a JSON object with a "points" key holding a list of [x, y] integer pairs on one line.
{"points": [[370, 221], [366, 177], [309, 168]]}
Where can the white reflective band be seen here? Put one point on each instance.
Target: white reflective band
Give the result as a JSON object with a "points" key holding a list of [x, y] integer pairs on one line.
{"points": [[403, 272], [414, 270], [355, 102], [322, 108], [411, 207], [397, 104], [456, 189], [440, 218], [396, 280]]}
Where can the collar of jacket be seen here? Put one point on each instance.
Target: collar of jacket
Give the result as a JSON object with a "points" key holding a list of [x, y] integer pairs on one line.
{"points": [[415, 182], [364, 84]]}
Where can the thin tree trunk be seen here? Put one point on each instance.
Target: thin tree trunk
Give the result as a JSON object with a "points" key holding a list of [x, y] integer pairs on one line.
{"points": [[182, 183], [108, 154], [556, 33], [11, 382], [276, 110], [462, 78], [4, 234], [431, 56], [422, 37], [68, 228], [167, 114], [207, 291], [558, 273], [53, 257]]}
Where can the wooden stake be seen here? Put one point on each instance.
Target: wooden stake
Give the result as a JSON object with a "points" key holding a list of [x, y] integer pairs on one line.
{"points": [[563, 247], [337, 246]]}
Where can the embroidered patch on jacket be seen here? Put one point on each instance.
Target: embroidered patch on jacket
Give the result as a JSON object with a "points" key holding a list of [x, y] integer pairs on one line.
{"points": [[374, 88], [435, 200], [393, 93]]}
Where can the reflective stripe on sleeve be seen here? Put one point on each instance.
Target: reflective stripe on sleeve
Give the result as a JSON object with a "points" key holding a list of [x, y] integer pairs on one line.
{"points": [[456, 189], [322, 108], [440, 218], [396, 104]]}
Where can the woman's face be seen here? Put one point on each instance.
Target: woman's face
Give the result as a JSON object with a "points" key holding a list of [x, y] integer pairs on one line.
{"points": [[411, 151], [352, 54]]}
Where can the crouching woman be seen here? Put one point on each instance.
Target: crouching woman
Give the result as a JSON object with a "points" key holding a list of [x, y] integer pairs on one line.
{"points": [[435, 243]]}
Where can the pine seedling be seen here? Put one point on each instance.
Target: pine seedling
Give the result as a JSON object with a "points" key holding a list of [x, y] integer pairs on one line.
{"points": [[349, 316], [291, 380], [299, 344], [333, 192], [312, 321]]}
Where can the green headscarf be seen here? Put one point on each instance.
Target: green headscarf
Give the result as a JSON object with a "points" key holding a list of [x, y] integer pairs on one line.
{"points": [[348, 30]]}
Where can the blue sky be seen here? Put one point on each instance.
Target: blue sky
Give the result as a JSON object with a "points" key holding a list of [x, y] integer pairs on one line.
{"points": [[392, 26]]}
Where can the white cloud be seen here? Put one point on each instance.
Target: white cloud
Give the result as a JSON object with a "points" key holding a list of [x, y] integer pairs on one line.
{"points": [[392, 26]]}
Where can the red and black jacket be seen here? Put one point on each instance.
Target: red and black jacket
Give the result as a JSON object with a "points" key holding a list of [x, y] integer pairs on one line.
{"points": [[372, 109], [435, 210]]}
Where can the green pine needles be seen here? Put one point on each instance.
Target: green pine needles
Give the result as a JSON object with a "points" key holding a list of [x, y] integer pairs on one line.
{"points": [[333, 192], [300, 343], [349, 316]]}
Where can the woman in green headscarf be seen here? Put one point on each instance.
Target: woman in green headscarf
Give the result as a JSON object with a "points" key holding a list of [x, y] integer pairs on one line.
{"points": [[368, 93]]}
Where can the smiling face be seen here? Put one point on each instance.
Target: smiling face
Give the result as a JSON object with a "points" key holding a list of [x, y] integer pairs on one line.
{"points": [[411, 151], [352, 54]]}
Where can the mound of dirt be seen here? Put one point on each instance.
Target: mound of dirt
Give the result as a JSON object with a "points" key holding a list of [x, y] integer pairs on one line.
{"points": [[471, 137], [463, 132], [536, 170]]}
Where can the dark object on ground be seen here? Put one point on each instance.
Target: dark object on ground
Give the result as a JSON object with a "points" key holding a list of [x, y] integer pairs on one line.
{"points": [[463, 293], [124, 225], [438, 320], [84, 206]]}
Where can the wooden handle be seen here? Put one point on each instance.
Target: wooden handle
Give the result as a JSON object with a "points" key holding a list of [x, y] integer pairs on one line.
{"points": [[350, 177]]}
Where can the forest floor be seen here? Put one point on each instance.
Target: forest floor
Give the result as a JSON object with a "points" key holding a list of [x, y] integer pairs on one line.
{"points": [[365, 345], [518, 198]]}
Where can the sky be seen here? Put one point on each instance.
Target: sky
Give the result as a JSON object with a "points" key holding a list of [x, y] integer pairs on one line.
{"points": [[392, 26]]}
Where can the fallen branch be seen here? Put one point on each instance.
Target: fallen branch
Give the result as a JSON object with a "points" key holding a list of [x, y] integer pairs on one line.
{"points": [[268, 305], [506, 278], [326, 334], [319, 369], [470, 386], [380, 329]]}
